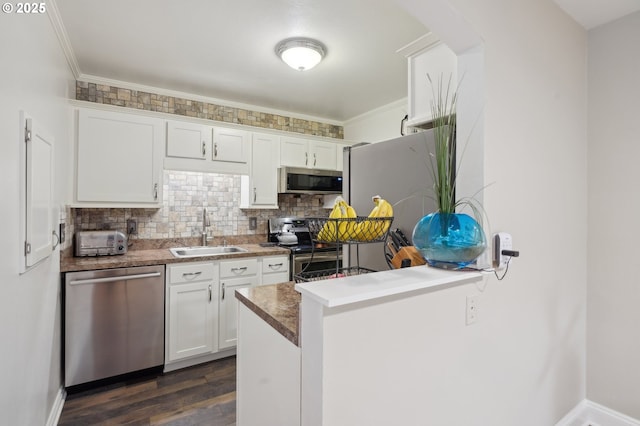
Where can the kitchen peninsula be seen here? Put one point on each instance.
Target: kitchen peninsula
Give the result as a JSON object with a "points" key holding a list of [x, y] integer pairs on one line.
{"points": [[345, 351]]}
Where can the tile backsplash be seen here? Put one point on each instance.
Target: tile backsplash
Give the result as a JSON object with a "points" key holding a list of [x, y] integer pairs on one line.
{"points": [[185, 195]]}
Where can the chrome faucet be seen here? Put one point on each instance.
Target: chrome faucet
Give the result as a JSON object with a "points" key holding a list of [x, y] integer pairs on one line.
{"points": [[205, 223]]}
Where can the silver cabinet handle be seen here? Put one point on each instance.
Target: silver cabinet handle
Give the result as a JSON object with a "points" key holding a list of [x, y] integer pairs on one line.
{"points": [[210, 294], [189, 274], [244, 268], [222, 291], [314, 159], [273, 265], [254, 194], [204, 148], [306, 158], [155, 191], [215, 150]]}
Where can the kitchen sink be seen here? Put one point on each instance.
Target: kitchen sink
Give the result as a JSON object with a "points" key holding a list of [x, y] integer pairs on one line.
{"points": [[205, 251]]}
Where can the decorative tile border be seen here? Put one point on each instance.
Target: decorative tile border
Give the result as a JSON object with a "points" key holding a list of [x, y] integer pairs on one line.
{"points": [[105, 94]]}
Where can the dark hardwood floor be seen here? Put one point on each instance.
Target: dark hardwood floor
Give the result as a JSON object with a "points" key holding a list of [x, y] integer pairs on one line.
{"points": [[199, 395]]}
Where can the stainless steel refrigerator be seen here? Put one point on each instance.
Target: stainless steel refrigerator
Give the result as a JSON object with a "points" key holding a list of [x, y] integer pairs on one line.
{"points": [[399, 170]]}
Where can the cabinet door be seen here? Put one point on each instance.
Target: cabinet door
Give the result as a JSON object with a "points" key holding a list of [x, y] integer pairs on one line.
{"points": [[119, 158], [188, 140], [294, 152], [229, 308], [323, 155], [264, 170], [439, 62], [37, 184], [230, 145], [192, 310]]}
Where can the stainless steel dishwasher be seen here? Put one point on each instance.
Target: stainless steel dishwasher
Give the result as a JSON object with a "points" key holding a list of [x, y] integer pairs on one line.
{"points": [[114, 322]]}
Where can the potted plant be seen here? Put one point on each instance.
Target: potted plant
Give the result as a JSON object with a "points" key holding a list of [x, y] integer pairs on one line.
{"points": [[447, 238]]}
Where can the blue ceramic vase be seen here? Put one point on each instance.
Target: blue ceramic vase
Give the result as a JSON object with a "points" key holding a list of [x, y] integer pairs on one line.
{"points": [[449, 240]]}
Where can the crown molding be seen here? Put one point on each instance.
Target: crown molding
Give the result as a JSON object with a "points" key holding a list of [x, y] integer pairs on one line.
{"points": [[63, 39], [419, 45], [400, 103]]}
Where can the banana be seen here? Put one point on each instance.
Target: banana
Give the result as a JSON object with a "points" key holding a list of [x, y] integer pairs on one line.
{"points": [[343, 230], [347, 227], [329, 231], [373, 229], [352, 230]]}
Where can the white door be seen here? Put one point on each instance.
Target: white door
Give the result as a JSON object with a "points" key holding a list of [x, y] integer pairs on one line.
{"points": [[188, 140], [229, 309], [264, 170], [119, 157], [323, 155], [294, 152], [230, 145], [191, 322], [39, 193]]}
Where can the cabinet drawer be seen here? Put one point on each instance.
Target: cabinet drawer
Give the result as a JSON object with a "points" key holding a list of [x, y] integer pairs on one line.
{"points": [[275, 264], [191, 272], [238, 268]]}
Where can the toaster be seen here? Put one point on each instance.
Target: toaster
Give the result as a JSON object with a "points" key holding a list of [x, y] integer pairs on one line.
{"points": [[100, 243]]}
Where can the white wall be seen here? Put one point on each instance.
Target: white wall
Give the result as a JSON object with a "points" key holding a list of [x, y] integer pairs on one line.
{"points": [[613, 313], [35, 77], [532, 326], [378, 125]]}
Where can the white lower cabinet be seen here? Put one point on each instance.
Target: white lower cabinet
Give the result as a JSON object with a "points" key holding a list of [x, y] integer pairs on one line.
{"points": [[234, 275], [201, 313], [275, 269], [229, 309], [191, 310]]}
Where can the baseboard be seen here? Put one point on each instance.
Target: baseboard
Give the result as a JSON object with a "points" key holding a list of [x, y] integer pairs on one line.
{"points": [[56, 409], [588, 413]]}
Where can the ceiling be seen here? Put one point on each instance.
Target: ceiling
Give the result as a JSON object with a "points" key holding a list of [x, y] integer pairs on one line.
{"points": [[593, 13], [224, 49]]}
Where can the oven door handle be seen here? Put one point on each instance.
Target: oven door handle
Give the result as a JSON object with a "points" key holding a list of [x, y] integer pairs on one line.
{"points": [[317, 256]]}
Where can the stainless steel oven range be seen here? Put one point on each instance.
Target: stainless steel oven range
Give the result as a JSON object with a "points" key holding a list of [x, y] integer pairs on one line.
{"points": [[309, 260]]}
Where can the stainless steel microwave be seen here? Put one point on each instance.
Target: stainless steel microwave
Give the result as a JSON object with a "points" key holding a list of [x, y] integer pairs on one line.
{"points": [[295, 180]]}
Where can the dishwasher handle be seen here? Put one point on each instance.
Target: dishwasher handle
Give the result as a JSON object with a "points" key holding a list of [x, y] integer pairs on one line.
{"points": [[112, 279]]}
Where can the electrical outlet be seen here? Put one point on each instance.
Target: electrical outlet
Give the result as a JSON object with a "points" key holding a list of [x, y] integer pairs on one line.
{"points": [[472, 309], [501, 241], [253, 223], [132, 226]]}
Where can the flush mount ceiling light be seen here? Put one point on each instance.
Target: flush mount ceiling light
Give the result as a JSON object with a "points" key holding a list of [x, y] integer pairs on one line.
{"points": [[301, 53]]}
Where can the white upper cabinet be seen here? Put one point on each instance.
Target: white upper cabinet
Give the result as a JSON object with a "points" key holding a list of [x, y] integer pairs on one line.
{"points": [[119, 159], [428, 55], [188, 140], [299, 152], [294, 152], [230, 145], [218, 149], [260, 188]]}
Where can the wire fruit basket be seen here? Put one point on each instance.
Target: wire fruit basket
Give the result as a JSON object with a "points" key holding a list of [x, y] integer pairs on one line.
{"points": [[356, 230]]}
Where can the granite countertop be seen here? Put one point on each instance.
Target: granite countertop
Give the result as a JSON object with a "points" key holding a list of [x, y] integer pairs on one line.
{"points": [[277, 304], [156, 256]]}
